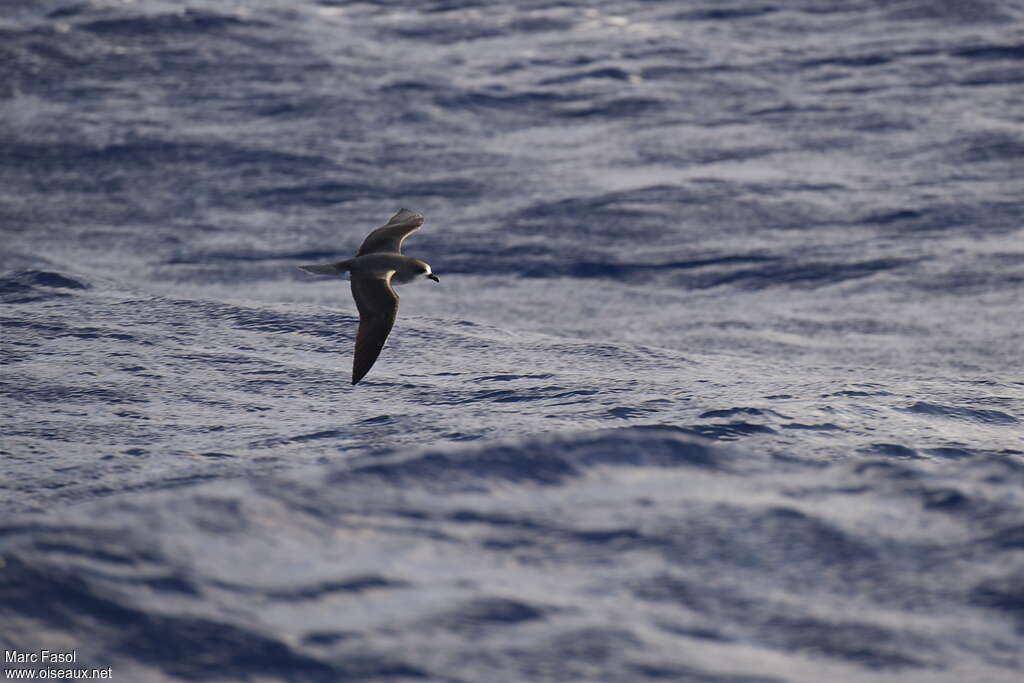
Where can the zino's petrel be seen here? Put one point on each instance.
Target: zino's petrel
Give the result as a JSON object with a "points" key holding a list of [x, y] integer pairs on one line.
{"points": [[378, 264]]}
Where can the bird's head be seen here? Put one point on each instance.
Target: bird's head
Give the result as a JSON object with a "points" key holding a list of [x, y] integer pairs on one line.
{"points": [[426, 272]]}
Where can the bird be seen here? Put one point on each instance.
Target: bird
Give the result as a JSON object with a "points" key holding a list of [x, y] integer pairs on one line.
{"points": [[377, 266]]}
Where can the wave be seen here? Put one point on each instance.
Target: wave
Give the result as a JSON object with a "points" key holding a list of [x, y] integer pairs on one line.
{"points": [[572, 546], [27, 286]]}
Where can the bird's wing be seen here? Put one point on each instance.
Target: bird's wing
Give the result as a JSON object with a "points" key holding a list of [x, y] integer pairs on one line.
{"points": [[378, 305], [389, 237]]}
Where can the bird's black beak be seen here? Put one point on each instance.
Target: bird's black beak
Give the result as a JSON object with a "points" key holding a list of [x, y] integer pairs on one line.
{"points": [[433, 277]]}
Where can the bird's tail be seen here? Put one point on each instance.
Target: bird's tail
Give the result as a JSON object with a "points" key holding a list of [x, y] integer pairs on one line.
{"points": [[326, 268]]}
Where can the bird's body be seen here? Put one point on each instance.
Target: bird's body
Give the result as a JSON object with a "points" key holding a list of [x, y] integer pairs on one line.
{"points": [[376, 267]]}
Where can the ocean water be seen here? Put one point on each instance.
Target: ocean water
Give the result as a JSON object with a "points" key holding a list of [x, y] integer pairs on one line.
{"points": [[722, 381]]}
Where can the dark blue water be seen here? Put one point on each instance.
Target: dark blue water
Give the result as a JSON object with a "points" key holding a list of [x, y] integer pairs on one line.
{"points": [[723, 379]]}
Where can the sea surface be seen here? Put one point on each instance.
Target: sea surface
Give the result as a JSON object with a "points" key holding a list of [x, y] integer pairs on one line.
{"points": [[723, 381]]}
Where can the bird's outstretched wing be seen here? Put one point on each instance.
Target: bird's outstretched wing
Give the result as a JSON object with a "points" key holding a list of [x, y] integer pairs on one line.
{"points": [[378, 305], [389, 237]]}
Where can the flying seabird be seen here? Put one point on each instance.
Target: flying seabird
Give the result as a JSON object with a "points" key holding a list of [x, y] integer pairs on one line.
{"points": [[378, 265]]}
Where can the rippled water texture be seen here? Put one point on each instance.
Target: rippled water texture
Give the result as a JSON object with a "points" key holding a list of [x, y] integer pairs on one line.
{"points": [[722, 380]]}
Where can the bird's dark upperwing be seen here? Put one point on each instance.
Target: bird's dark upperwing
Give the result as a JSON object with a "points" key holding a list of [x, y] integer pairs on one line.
{"points": [[378, 305], [389, 238]]}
